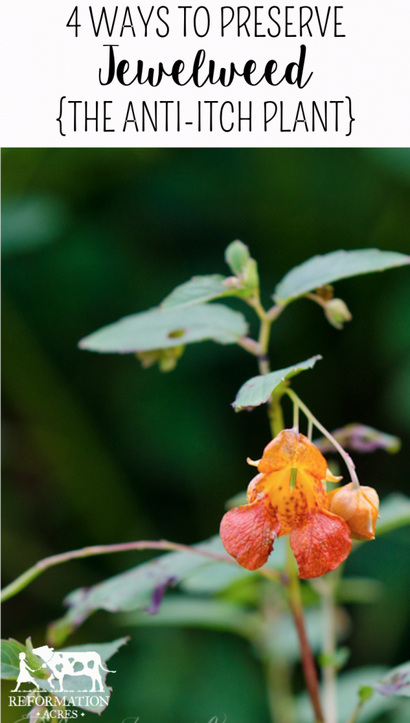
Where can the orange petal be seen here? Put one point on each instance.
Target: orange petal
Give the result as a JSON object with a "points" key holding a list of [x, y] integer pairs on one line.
{"points": [[320, 544], [363, 523], [254, 487], [248, 532], [343, 501], [291, 449]]}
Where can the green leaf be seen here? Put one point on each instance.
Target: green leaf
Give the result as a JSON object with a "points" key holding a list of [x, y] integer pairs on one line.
{"points": [[217, 577], [394, 512], [214, 578], [142, 587], [184, 611], [161, 329], [257, 390], [396, 682], [321, 270], [199, 290], [10, 664], [359, 590], [237, 256], [337, 660], [105, 650]]}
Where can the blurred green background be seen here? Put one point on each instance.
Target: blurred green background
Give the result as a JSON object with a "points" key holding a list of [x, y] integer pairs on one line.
{"points": [[97, 450]]}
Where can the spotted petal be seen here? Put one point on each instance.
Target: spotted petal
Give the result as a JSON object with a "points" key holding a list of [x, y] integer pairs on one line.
{"points": [[320, 544], [248, 533]]}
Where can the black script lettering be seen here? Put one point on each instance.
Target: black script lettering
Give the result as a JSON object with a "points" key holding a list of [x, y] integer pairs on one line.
{"points": [[300, 66], [251, 74]]}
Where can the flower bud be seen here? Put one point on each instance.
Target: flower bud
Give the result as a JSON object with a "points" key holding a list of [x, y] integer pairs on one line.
{"points": [[250, 275], [337, 313], [237, 256], [165, 358], [358, 507]]}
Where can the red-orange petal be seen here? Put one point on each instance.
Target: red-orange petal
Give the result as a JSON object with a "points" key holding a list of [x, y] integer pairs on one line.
{"points": [[248, 532], [320, 544]]}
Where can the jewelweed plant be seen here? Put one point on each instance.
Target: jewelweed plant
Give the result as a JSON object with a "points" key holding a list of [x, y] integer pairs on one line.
{"points": [[292, 532]]}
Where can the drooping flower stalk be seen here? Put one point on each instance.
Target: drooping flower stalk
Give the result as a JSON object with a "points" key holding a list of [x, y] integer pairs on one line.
{"points": [[346, 457], [353, 511]]}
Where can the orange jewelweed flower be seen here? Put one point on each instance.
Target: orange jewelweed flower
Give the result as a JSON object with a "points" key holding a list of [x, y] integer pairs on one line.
{"points": [[359, 507], [288, 497]]}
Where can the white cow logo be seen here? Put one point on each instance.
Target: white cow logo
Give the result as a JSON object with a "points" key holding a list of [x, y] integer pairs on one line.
{"points": [[72, 663]]}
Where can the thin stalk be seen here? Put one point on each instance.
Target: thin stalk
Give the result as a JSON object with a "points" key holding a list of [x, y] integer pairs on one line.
{"points": [[308, 662], [249, 345], [274, 407], [326, 590], [277, 670], [291, 579], [296, 416], [353, 718], [260, 350], [275, 414], [264, 334], [310, 430], [293, 584], [273, 313], [23, 580], [348, 460], [329, 670], [256, 304], [317, 299], [279, 692]]}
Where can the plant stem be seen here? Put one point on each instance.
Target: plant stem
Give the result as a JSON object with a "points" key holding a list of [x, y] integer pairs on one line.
{"points": [[296, 416], [273, 313], [308, 663], [326, 589], [275, 414], [329, 670], [249, 345], [23, 580], [274, 406], [317, 299], [348, 460], [279, 692], [353, 718], [277, 670], [291, 580]]}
